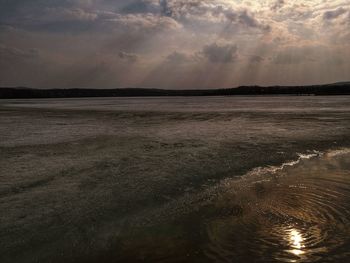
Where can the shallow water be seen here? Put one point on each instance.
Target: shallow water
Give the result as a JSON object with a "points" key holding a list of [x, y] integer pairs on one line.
{"points": [[243, 179]]}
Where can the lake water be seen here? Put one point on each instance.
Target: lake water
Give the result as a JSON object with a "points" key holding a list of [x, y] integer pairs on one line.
{"points": [[212, 179]]}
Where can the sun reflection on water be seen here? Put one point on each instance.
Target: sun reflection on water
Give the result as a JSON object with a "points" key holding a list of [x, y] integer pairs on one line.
{"points": [[296, 241]]}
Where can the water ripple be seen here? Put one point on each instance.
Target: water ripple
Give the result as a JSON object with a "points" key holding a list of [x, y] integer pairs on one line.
{"points": [[295, 214]]}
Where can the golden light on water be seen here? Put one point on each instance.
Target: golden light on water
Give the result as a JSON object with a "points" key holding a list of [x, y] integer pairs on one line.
{"points": [[296, 242]]}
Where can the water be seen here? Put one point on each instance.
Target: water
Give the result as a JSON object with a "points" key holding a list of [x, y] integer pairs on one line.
{"points": [[241, 179]]}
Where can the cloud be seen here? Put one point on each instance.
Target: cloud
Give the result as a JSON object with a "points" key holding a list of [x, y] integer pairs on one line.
{"points": [[333, 14], [256, 59], [132, 37], [278, 4], [131, 57], [142, 6], [244, 18], [178, 58], [220, 54], [185, 12], [144, 22], [216, 14], [12, 53], [81, 16], [65, 14]]}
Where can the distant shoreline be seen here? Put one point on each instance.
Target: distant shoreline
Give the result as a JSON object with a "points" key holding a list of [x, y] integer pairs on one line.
{"points": [[342, 88]]}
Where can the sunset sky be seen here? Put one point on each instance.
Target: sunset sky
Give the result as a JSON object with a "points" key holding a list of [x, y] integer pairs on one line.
{"points": [[173, 43]]}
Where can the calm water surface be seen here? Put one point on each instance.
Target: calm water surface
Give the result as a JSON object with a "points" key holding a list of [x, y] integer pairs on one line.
{"points": [[217, 179]]}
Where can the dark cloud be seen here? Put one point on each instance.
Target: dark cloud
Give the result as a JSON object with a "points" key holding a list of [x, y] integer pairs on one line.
{"points": [[244, 18], [47, 15], [14, 9], [188, 11], [78, 20], [99, 15], [165, 8], [58, 19], [256, 59], [278, 4], [333, 14], [142, 6], [220, 54]]}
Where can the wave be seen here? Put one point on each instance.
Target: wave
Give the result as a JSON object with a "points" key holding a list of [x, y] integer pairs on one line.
{"points": [[301, 157], [275, 169], [338, 152]]}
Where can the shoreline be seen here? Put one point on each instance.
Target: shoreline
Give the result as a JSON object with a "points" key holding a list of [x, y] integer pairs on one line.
{"points": [[312, 90]]}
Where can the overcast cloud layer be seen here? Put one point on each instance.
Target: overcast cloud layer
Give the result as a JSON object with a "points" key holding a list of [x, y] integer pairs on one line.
{"points": [[173, 43]]}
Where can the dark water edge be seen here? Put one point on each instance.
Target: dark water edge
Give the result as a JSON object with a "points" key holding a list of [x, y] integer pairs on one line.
{"points": [[108, 186]]}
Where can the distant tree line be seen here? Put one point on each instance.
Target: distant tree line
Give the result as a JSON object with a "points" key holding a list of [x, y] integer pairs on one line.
{"points": [[22, 92]]}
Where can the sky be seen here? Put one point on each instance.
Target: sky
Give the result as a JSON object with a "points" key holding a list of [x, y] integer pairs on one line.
{"points": [[175, 44]]}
